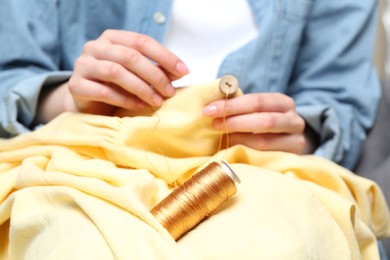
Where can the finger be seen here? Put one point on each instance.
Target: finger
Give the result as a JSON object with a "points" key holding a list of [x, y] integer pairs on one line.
{"points": [[289, 122], [293, 143], [86, 91], [172, 77], [133, 61], [150, 48], [249, 103], [106, 71]]}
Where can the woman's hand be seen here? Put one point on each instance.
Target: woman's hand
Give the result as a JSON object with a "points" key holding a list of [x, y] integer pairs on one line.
{"points": [[123, 69], [263, 121]]}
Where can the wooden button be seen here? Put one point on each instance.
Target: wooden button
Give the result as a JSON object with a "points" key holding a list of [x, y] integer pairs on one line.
{"points": [[228, 84]]}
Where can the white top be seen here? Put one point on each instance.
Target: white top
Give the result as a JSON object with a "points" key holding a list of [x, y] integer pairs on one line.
{"points": [[386, 24], [203, 32]]}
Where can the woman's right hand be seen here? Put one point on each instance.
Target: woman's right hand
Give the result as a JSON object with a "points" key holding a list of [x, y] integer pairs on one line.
{"points": [[123, 69]]}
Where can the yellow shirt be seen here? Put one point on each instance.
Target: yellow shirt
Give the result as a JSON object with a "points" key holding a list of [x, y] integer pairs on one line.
{"points": [[82, 187]]}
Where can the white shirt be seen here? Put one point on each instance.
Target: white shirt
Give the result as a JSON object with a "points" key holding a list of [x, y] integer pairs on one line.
{"points": [[203, 32]]}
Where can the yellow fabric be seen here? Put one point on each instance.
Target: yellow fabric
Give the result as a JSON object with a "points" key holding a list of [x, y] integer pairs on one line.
{"points": [[81, 187]]}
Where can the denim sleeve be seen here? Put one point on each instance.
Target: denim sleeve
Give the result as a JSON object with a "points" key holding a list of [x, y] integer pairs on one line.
{"points": [[334, 82], [29, 60]]}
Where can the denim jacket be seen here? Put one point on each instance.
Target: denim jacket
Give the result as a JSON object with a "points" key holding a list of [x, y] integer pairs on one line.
{"points": [[318, 52]]}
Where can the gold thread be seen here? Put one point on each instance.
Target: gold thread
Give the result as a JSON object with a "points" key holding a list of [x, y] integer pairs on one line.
{"points": [[224, 122], [196, 199], [229, 86], [160, 151], [229, 90]]}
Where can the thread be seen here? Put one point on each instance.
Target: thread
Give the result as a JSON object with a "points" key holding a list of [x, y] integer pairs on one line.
{"points": [[196, 199], [229, 86], [149, 137]]}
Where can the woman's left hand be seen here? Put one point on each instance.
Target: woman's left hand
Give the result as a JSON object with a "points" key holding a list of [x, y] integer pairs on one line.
{"points": [[263, 121]]}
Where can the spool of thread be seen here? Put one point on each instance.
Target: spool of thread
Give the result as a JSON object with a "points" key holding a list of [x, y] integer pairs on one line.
{"points": [[196, 199]]}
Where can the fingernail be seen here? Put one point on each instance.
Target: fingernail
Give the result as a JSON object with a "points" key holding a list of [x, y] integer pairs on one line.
{"points": [[182, 69], [157, 100], [169, 90], [210, 110]]}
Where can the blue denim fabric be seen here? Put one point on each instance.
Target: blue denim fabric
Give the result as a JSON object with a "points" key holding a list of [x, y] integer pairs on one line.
{"points": [[382, 251], [318, 52]]}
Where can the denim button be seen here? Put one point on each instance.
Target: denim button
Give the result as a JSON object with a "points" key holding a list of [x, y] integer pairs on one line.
{"points": [[159, 18]]}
